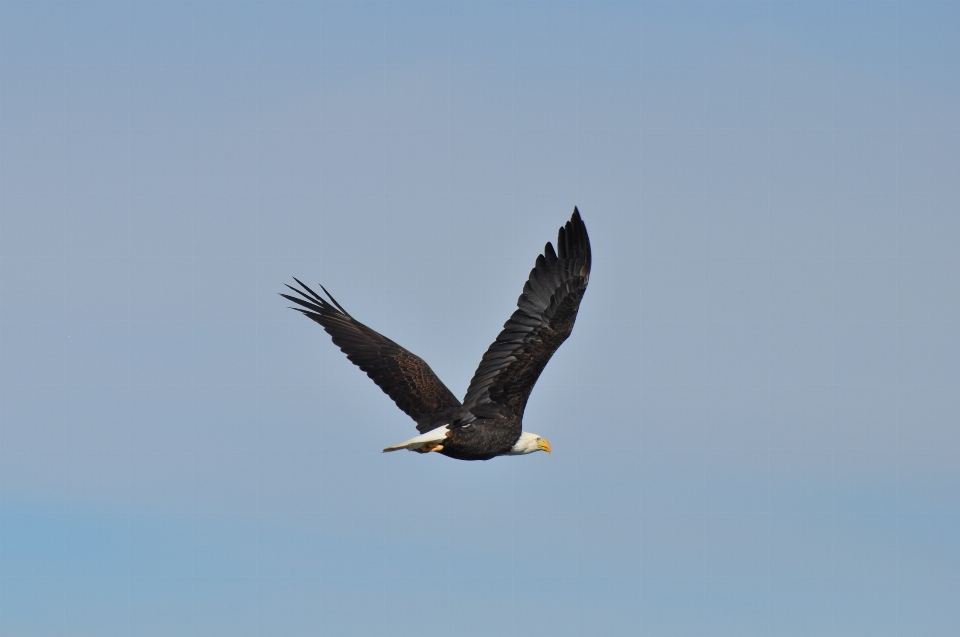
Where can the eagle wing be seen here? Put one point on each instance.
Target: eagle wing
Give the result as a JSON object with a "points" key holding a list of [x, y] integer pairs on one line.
{"points": [[544, 319], [402, 375]]}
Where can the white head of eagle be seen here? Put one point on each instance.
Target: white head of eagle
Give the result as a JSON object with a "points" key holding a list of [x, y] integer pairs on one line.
{"points": [[529, 443]]}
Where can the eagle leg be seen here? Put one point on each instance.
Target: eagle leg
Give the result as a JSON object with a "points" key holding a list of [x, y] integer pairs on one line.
{"points": [[430, 446]]}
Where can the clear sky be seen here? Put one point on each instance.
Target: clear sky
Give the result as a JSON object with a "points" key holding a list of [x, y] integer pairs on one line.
{"points": [[756, 421]]}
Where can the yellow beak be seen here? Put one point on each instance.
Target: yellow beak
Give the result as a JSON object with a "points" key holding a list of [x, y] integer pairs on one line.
{"points": [[544, 444]]}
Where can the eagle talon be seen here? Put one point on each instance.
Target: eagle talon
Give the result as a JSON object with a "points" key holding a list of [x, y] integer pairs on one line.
{"points": [[430, 446]]}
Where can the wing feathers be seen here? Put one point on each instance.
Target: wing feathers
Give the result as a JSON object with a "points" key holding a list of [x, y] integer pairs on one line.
{"points": [[546, 311], [402, 375], [541, 289]]}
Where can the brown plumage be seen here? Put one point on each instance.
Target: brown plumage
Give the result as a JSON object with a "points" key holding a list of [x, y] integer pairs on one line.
{"points": [[401, 374], [488, 423]]}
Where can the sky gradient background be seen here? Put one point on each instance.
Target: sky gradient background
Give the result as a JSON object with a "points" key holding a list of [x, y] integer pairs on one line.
{"points": [[756, 421]]}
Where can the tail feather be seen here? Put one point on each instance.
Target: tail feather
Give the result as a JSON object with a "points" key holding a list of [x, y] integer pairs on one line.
{"points": [[432, 436]]}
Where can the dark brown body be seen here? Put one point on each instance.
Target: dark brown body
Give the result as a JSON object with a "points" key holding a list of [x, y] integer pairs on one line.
{"points": [[481, 440]]}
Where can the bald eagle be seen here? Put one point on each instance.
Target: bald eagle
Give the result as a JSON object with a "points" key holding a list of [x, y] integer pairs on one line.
{"points": [[489, 421]]}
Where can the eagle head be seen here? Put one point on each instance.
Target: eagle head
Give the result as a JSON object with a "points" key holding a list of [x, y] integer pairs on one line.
{"points": [[528, 443]]}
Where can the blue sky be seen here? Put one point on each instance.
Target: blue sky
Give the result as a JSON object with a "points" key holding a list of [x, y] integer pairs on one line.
{"points": [[755, 421]]}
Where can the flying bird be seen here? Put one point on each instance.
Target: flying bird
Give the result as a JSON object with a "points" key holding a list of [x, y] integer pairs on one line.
{"points": [[488, 423]]}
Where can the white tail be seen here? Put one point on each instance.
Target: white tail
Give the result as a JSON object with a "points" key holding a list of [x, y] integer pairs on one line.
{"points": [[434, 435]]}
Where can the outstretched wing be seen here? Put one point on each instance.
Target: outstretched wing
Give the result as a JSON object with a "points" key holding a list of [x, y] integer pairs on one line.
{"points": [[544, 319], [402, 375]]}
